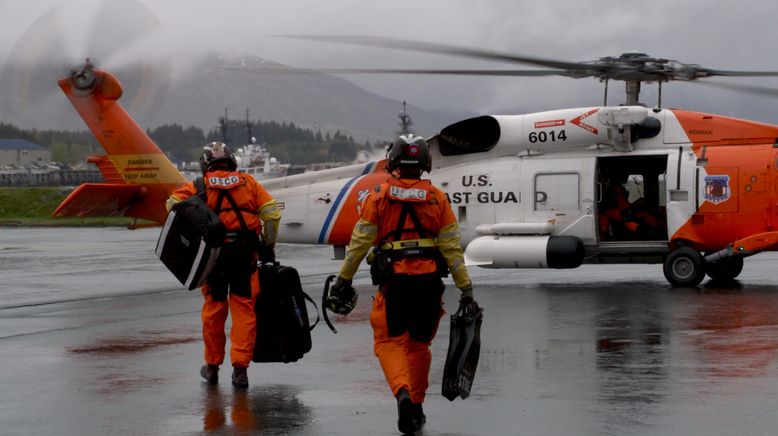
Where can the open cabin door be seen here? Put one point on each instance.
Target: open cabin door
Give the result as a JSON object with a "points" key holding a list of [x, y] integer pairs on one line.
{"points": [[560, 190], [632, 199]]}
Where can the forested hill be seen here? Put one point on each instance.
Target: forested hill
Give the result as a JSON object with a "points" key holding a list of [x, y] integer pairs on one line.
{"points": [[286, 141]]}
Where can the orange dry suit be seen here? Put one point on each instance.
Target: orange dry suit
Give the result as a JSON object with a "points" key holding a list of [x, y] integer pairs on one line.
{"points": [[613, 219], [410, 221], [623, 221], [233, 285]]}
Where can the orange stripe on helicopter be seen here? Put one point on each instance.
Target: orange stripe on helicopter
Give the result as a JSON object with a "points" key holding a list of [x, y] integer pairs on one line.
{"points": [[740, 169], [339, 233], [705, 128]]}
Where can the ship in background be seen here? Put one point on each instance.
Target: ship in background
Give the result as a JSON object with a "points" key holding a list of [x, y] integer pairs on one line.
{"points": [[405, 122], [378, 153], [252, 158], [255, 159]]}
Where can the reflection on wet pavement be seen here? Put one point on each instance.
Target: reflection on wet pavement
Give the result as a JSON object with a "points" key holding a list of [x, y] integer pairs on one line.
{"points": [[268, 409], [592, 351], [130, 345], [740, 331]]}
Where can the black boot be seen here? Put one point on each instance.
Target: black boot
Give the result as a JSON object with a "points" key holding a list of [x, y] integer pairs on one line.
{"points": [[405, 421], [240, 379], [210, 373], [418, 415]]}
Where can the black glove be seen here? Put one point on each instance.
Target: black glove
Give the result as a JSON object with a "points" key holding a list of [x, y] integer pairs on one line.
{"points": [[342, 297], [471, 308], [267, 253], [467, 294]]}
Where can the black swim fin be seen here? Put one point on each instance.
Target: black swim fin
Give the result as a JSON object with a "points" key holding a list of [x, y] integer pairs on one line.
{"points": [[464, 348]]}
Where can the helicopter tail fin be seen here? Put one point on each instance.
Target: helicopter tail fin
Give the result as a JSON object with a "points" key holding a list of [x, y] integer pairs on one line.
{"points": [[138, 176]]}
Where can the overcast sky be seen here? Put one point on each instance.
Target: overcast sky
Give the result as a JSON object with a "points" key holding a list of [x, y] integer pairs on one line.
{"points": [[725, 35]]}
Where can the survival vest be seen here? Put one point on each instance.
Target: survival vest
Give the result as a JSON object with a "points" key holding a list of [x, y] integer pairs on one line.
{"points": [[407, 231], [239, 213]]}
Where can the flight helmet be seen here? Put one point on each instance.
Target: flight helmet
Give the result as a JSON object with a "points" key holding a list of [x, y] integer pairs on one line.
{"points": [[409, 154], [217, 155]]}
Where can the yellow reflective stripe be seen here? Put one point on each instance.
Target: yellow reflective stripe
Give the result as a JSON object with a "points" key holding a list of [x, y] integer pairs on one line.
{"points": [[450, 231], [362, 238], [451, 249], [171, 201], [270, 231], [366, 228], [410, 243], [269, 211]]}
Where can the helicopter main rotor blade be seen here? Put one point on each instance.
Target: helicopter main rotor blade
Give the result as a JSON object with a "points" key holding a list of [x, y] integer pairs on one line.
{"points": [[452, 72], [733, 73], [581, 69], [751, 89], [626, 67]]}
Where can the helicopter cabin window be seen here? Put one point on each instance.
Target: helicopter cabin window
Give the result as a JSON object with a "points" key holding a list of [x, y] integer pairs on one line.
{"points": [[557, 192]]}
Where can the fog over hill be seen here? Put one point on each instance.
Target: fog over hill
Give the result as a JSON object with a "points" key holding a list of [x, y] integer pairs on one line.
{"points": [[197, 93]]}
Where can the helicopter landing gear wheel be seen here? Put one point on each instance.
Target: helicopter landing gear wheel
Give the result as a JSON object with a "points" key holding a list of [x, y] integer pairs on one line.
{"points": [[684, 266], [725, 269]]}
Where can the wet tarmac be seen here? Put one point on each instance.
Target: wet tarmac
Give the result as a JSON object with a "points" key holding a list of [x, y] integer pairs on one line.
{"points": [[96, 337]]}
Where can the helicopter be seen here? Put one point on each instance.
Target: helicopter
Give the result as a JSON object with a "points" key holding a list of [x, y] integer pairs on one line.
{"points": [[698, 191]]}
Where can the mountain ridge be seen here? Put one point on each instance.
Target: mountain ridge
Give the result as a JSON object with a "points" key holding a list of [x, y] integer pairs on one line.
{"points": [[199, 94]]}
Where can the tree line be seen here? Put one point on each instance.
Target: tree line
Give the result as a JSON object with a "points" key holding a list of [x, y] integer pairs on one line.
{"points": [[287, 142]]}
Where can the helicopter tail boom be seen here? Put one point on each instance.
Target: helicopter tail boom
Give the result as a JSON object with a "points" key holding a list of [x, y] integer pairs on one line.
{"points": [[138, 174]]}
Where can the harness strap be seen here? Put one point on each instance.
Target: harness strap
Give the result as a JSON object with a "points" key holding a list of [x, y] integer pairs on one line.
{"points": [[226, 194], [244, 229], [407, 211], [386, 252], [199, 184], [243, 209], [415, 220]]}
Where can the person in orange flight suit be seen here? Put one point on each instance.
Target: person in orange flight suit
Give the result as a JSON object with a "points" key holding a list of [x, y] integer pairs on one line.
{"points": [[416, 238], [243, 205], [616, 221], [621, 220]]}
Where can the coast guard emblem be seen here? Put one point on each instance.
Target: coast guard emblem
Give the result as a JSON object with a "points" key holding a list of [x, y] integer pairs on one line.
{"points": [[717, 189]]}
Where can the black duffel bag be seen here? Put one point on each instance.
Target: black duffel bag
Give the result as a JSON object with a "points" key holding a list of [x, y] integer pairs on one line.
{"points": [[190, 240], [283, 328]]}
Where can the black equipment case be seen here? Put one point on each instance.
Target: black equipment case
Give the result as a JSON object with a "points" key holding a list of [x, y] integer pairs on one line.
{"points": [[464, 349], [283, 328], [190, 241]]}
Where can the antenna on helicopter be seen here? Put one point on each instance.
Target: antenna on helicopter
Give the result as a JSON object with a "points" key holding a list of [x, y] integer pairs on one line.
{"points": [[405, 121]]}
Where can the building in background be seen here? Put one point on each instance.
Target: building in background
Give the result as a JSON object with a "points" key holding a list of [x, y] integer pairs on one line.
{"points": [[21, 153], [24, 163]]}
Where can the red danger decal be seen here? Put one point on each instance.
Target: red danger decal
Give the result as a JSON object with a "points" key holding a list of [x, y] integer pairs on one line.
{"points": [[549, 123]]}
